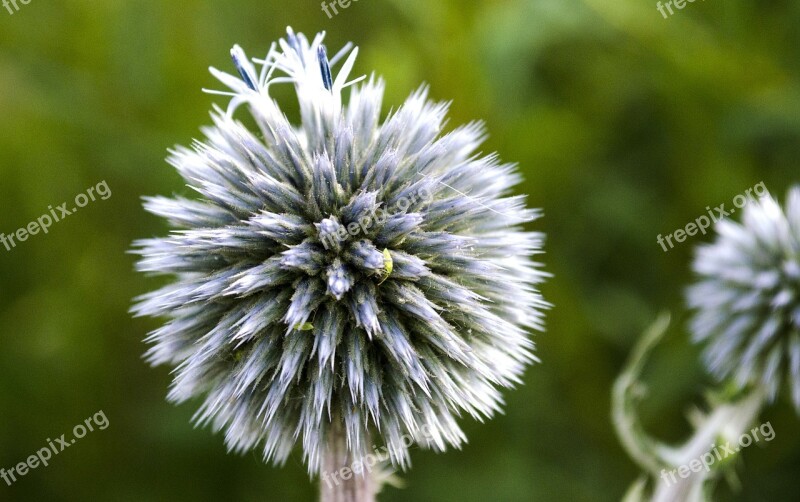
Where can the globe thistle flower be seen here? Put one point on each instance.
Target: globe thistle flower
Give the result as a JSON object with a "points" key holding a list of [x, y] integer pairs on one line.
{"points": [[747, 299], [342, 273]]}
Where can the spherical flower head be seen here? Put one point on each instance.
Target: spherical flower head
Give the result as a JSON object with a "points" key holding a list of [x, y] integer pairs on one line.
{"points": [[747, 300], [345, 271]]}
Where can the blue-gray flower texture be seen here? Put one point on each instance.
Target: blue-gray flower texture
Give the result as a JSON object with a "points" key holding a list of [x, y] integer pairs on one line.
{"points": [[376, 274], [747, 299]]}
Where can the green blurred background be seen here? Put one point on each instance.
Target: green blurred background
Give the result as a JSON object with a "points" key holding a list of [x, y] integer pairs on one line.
{"points": [[625, 124]]}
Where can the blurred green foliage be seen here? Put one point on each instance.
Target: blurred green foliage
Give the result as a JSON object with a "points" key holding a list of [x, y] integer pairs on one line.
{"points": [[626, 126]]}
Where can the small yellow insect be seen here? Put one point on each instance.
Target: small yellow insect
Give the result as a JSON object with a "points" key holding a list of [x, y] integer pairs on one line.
{"points": [[388, 264]]}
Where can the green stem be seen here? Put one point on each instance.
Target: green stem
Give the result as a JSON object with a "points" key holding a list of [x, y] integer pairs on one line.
{"points": [[727, 420]]}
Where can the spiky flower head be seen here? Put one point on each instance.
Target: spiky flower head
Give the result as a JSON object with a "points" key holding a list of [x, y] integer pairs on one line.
{"points": [[747, 299], [372, 275]]}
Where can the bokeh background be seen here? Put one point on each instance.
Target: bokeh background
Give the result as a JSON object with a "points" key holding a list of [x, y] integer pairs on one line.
{"points": [[625, 124]]}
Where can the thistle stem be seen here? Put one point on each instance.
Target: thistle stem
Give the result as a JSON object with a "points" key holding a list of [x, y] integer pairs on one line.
{"points": [[725, 421], [338, 482]]}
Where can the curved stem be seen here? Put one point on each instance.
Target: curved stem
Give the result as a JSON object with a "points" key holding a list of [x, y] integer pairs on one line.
{"points": [[669, 467], [727, 421], [627, 392]]}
